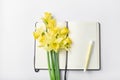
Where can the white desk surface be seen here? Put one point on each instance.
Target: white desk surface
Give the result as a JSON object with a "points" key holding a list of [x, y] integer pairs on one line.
{"points": [[16, 40]]}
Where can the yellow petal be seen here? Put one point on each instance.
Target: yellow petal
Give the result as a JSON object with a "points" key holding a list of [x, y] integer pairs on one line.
{"points": [[36, 35], [66, 43], [64, 30], [54, 46], [47, 15]]}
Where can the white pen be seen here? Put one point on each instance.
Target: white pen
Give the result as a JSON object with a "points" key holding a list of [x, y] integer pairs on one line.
{"points": [[90, 46]]}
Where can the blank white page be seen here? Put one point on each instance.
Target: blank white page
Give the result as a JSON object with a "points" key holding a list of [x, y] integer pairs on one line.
{"points": [[82, 33]]}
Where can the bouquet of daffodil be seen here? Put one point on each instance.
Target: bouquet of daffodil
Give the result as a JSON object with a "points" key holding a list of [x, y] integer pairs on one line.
{"points": [[52, 38]]}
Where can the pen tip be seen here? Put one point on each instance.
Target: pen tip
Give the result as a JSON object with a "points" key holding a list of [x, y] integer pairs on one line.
{"points": [[84, 70], [91, 42]]}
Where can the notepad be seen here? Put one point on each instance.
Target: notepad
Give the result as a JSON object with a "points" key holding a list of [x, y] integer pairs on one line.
{"points": [[81, 34]]}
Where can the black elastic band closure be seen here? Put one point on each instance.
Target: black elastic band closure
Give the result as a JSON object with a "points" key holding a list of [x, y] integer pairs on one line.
{"points": [[66, 61]]}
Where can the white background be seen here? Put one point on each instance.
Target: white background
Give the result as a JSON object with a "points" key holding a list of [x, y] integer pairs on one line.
{"points": [[17, 18]]}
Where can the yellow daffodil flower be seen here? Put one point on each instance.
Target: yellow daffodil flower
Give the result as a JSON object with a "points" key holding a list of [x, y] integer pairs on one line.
{"points": [[52, 22], [66, 43], [47, 15], [54, 46], [36, 35], [64, 31]]}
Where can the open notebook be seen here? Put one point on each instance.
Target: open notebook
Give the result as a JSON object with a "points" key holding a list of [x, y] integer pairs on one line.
{"points": [[81, 33]]}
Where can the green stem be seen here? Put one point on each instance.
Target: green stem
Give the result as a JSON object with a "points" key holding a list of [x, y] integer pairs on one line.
{"points": [[57, 65], [55, 61], [49, 69], [53, 65]]}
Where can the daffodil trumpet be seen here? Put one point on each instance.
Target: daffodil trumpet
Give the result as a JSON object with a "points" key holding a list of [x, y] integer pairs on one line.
{"points": [[53, 38]]}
